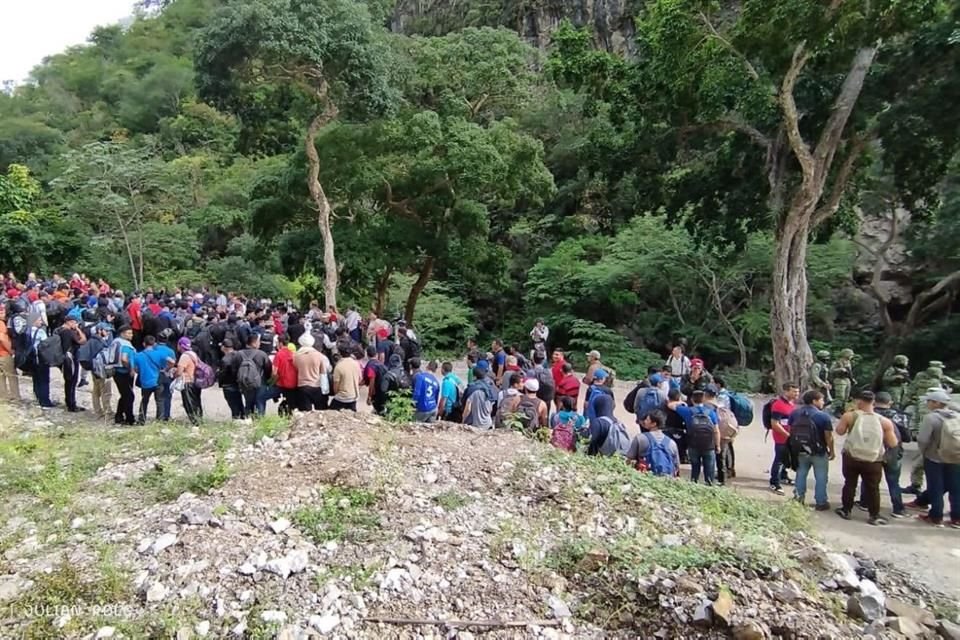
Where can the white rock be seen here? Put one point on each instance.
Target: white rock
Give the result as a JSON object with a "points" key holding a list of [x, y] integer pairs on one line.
{"points": [[273, 616], [430, 477], [247, 569], [298, 560], [558, 608], [157, 592], [239, 629], [331, 596], [76, 523], [62, 621], [279, 526], [331, 546], [144, 545], [327, 623], [105, 632], [163, 542], [671, 540], [202, 628]]}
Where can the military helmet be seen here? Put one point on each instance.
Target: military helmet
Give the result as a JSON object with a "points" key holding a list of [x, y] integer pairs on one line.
{"points": [[934, 372], [937, 364], [823, 354], [846, 353], [901, 360]]}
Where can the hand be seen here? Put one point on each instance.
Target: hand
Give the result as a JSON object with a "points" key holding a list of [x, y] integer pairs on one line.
{"points": [[831, 455]]}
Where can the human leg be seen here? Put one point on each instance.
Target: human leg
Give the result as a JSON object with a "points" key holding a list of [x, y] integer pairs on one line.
{"points": [[891, 473], [235, 401], [804, 462], [935, 488], [709, 467], [821, 475], [695, 464], [851, 477], [145, 395], [9, 383]]}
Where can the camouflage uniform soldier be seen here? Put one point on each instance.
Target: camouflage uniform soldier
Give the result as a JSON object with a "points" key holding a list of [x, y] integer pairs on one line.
{"points": [[945, 380], [819, 372], [841, 377], [896, 381]]}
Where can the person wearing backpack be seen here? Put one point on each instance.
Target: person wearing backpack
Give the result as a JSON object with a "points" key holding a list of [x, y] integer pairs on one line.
{"points": [[776, 415], [729, 428], [373, 372], [253, 370], [102, 392], [653, 451], [567, 426], [28, 353], [509, 400], [150, 364], [595, 391], [123, 377], [187, 364], [868, 435], [532, 410], [608, 436], [649, 398], [703, 438], [548, 388], [480, 397], [811, 439], [939, 443], [71, 339], [451, 394], [893, 458], [9, 383]]}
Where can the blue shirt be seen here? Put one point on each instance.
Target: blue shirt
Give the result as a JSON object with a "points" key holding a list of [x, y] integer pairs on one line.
{"points": [[820, 419], [426, 392], [449, 389], [131, 353], [150, 362], [686, 413]]}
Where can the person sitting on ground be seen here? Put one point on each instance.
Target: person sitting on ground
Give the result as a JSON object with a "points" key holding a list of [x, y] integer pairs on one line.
{"points": [[568, 415], [608, 436], [653, 450], [509, 400], [811, 437]]}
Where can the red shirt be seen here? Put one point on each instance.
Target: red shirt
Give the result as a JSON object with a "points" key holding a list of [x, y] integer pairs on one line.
{"points": [[569, 386], [557, 370], [134, 310], [283, 367], [780, 411]]}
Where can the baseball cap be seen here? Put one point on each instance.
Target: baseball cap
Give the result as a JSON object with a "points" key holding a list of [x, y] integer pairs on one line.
{"points": [[711, 390], [696, 362], [594, 354], [531, 384], [483, 365], [937, 395], [600, 374]]}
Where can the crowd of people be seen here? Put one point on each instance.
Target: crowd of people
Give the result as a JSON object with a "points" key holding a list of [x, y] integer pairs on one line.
{"points": [[256, 352]]}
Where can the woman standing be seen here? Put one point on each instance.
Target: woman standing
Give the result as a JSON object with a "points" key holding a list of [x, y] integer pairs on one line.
{"points": [[186, 373]]}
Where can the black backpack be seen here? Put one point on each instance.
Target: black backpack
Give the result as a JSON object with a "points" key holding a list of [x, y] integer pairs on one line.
{"points": [[528, 411], [50, 351], [804, 435], [766, 414], [700, 436]]}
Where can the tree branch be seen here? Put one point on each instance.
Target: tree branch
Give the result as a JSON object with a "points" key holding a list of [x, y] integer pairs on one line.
{"points": [[843, 176], [928, 301], [791, 117], [751, 70]]}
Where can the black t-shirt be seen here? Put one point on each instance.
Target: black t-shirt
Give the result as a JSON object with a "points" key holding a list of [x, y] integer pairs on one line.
{"points": [[674, 421], [68, 339]]}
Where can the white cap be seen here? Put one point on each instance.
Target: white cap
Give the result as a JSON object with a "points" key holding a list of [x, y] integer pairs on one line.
{"points": [[531, 384], [306, 340], [938, 395]]}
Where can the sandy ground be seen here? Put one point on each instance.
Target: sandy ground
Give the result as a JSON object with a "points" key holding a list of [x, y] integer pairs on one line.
{"points": [[932, 555]]}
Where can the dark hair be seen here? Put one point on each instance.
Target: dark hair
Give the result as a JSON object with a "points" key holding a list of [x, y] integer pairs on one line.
{"points": [[790, 386], [346, 352], [538, 358], [657, 417], [125, 327], [446, 367], [866, 395], [254, 337], [414, 363], [567, 403], [673, 395], [149, 341], [653, 370], [516, 379], [697, 396], [371, 351], [666, 369], [719, 382], [432, 365], [811, 396], [479, 373], [567, 367]]}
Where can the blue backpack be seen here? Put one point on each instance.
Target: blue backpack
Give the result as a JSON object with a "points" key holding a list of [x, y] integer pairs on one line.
{"points": [[742, 408], [659, 461], [648, 400]]}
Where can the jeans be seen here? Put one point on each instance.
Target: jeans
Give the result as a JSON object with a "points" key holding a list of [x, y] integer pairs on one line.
{"points": [[41, 384], [192, 404], [942, 478], [235, 401], [124, 413], [778, 470], [821, 468], [707, 460], [164, 398], [71, 377], [145, 395], [425, 416], [869, 472], [250, 403], [891, 472], [9, 383], [338, 405]]}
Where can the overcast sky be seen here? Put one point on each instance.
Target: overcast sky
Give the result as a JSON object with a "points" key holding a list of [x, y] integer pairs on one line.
{"points": [[34, 29]]}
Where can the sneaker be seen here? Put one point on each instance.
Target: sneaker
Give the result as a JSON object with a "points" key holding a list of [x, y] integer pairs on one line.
{"points": [[82, 383], [787, 481], [862, 506], [877, 522], [777, 490], [843, 513], [823, 507], [76, 409], [910, 491], [926, 518], [913, 504], [955, 524], [898, 515]]}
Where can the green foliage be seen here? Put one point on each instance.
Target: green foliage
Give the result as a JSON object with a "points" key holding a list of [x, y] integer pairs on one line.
{"points": [[166, 484], [343, 514], [400, 407]]}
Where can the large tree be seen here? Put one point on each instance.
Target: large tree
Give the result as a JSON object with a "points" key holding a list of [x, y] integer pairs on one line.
{"points": [[325, 50], [770, 106]]}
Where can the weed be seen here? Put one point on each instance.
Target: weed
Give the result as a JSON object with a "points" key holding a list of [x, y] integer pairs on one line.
{"points": [[452, 500], [269, 426], [167, 485], [343, 514], [358, 575], [400, 407]]}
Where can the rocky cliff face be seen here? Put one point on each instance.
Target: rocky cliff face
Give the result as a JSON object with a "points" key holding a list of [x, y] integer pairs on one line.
{"points": [[612, 21], [896, 277]]}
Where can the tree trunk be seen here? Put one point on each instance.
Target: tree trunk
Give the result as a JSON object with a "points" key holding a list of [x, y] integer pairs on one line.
{"points": [[788, 311], [331, 274], [129, 248], [425, 272], [140, 240], [383, 283]]}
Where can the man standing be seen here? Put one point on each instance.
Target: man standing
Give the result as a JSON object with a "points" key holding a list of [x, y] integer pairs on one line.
{"points": [[893, 458], [102, 393], [373, 372], [819, 372], [123, 378], [896, 381], [227, 378], [867, 435], [426, 393], [353, 321], [253, 370], [450, 392], [939, 442], [811, 438], [346, 383], [703, 438], [313, 375], [780, 411], [151, 364], [593, 366], [480, 397], [539, 335], [678, 362], [556, 367], [568, 386], [71, 338], [499, 362], [841, 377], [9, 383]]}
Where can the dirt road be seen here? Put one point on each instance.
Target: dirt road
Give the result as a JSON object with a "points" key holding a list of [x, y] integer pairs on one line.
{"points": [[932, 555]]}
